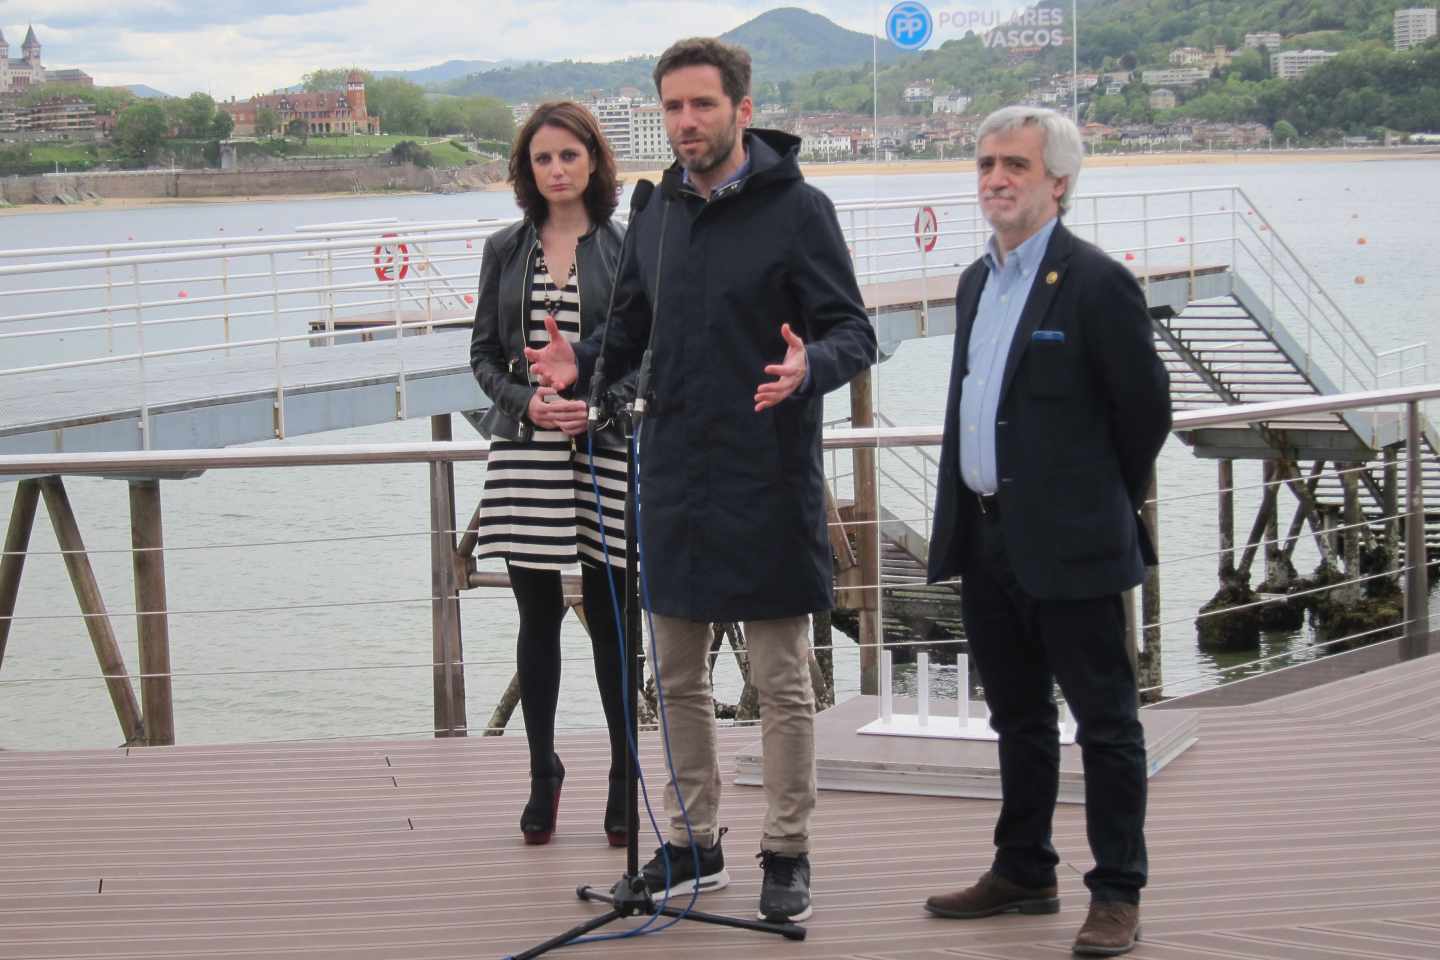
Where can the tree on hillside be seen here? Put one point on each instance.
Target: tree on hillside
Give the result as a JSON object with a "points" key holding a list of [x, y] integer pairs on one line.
{"points": [[222, 126], [298, 128], [267, 121], [138, 132], [446, 116], [1284, 133], [400, 105]]}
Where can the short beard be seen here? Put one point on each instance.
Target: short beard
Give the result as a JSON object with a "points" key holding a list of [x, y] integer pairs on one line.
{"points": [[711, 159]]}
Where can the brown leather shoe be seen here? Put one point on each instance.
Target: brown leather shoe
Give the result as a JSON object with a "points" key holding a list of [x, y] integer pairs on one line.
{"points": [[1110, 929], [993, 894]]}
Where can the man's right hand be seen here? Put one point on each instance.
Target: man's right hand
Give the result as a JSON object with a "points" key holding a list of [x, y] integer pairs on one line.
{"points": [[554, 365]]}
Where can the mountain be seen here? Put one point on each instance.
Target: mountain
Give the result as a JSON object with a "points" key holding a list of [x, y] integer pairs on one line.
{"points": [[447, 71], [789, 42], [784, 43], [145, 93]]}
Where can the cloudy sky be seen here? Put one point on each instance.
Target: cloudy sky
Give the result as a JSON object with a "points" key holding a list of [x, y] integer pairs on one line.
{"points": [[241, 47]]}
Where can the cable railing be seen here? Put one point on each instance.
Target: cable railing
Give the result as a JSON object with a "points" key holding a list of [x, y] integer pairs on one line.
{"points": [[1167, 627]]}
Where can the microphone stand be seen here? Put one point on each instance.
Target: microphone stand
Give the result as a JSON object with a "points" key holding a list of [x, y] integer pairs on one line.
{"points": [[628, 896]]}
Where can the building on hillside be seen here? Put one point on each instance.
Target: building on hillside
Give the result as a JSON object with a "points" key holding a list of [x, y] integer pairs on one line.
{"points": [[1174, 77], [66, 116], [324, 112], [920, 92], [1414, 26], [1162, 98], [1187, 56], [1293, 64], [949, 103], [1268, 39]]}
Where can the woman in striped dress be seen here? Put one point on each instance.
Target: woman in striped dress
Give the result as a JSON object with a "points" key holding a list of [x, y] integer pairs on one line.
{"points": [[540, 511]]}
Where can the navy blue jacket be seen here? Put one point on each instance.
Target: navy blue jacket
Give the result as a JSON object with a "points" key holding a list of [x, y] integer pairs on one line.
{"points": [[732, 502], [1083, 414]]}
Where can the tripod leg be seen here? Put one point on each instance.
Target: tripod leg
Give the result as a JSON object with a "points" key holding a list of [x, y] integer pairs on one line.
{"points": [[574, 933]]}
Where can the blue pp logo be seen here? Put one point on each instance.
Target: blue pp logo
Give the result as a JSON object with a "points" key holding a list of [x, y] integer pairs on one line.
{"points": [[908, 25]]}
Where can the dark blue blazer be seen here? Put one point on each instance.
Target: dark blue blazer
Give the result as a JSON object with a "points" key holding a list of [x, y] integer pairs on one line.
{"points": [[1084, 409]]}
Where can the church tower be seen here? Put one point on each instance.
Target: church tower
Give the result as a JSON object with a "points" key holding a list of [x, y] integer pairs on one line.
{"points": [[355, 96], [31, 49], [4, 63]]}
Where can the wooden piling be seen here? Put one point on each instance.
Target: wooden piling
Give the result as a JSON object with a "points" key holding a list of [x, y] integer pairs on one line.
{"points": [[1226, 480], [1350, 537], [1390, 506], [446, 646], [92, 605], [1416, 642], [1149, 669], [866, 517], [152, 620], [12, 564]]}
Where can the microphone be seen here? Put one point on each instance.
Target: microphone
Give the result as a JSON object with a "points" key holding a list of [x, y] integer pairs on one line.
{"points": [[639, 198]]}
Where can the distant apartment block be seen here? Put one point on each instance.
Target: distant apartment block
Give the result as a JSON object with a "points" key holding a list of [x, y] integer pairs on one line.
{"points": [[1187, 56], [828, 146], [1162, 99], [1269, 39], [1293, 64], [950, 103], [647, 134], [614, 116], [60, 118], [1413, 27], [1174, 77]]}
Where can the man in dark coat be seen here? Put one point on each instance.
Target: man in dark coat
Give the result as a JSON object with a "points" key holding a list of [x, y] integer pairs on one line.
{"points": [[1058, 406], [741, 270]]}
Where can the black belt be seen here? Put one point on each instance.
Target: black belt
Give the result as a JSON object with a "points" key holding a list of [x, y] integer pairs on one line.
{"points": [[989, 505]]}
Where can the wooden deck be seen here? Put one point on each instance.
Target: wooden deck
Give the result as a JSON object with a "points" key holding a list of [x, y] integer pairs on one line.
{"points": [[1305, 827]]}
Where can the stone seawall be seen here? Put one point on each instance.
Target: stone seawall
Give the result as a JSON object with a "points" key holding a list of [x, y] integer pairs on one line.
{"points": [[201, 184]]}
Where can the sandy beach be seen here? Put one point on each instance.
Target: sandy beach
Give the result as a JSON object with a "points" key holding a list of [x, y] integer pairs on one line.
{"points": [[962, 166]]}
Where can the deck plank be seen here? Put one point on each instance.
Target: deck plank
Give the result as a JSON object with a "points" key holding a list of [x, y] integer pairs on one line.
{"points": [[1302, 826]]}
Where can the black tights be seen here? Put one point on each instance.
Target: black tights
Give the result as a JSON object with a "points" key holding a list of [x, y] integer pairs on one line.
{"points": [[541, 601]]}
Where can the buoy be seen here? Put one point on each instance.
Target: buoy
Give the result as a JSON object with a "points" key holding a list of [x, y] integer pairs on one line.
{"points": [[1360, 279], [1129, 255], [129, 238], [1180, 239], [469, 245], [1264, 227], [1360, 241], [183, 294], [469, 298], [1354, 216]]}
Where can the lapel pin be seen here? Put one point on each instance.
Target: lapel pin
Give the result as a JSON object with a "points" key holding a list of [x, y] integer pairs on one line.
{"points": [[1051, 277]]}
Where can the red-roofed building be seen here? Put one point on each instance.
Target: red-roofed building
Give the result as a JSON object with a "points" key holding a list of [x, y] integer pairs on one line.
{"points": [[325, 112]]}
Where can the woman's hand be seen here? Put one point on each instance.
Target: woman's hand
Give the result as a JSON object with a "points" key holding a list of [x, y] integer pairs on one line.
{"points": [[549, 411]]}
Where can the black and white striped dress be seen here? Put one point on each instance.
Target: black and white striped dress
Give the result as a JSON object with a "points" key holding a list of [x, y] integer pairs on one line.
{"points": [[538, 508]]}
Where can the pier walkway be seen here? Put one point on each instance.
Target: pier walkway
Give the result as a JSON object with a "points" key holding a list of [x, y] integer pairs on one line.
{"points": [[1305, 827]]}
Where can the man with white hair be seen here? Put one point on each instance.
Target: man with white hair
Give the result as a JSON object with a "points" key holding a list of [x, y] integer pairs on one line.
{"points": [[1058, 406]]}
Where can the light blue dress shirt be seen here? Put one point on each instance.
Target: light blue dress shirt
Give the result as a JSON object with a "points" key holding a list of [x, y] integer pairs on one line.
{"points": [[998, 314]]}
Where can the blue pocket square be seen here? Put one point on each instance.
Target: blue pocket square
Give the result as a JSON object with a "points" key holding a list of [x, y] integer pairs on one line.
{"points": [[1048, 336]]}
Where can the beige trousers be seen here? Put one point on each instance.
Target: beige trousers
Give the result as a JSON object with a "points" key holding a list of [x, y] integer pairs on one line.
{"points": [[780, 669]]}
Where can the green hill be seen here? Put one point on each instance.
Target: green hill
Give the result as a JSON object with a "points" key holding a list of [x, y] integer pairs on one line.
{"points": [[784, 43]]}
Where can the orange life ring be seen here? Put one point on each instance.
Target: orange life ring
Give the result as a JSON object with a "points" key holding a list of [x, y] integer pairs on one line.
{"points": [[391, 260]]}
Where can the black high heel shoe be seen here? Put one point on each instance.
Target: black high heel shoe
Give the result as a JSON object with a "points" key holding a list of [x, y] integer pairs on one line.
{"points": [[537, 821], [616, 830]]}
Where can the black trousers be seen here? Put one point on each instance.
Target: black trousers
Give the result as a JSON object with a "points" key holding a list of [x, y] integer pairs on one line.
{"points": [[1021, 645]]}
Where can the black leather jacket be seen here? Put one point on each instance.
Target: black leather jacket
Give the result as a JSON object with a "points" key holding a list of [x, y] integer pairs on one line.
{"points": [[497, 339]]}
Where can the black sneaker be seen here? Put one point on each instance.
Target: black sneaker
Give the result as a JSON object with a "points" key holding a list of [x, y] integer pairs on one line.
{"points": [[713, 875], [785, 892]]}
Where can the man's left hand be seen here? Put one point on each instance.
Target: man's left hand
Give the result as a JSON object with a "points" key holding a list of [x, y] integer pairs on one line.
{"points": [[789, 373]]}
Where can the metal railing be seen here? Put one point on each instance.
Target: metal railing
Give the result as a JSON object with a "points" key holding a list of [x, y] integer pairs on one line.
{"points": [[1414, 626], [125, 303]]}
